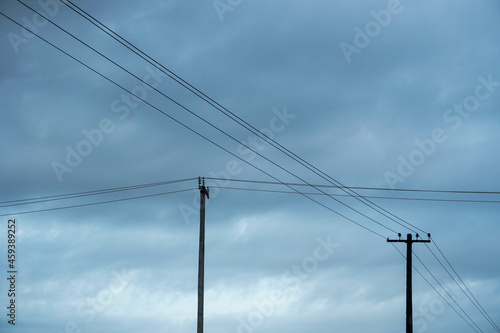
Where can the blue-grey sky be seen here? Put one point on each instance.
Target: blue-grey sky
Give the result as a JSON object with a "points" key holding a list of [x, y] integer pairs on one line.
{"points": [[392, 94]]}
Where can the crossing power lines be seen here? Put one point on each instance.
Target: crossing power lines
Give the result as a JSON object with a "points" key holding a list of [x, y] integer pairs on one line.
{"points": [[350, 192], [265, 187]]}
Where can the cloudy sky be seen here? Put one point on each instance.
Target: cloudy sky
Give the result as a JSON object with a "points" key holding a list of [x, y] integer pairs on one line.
{"points": [[379, 94]]}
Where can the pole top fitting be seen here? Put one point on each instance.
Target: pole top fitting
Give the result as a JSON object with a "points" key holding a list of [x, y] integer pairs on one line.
{"points": [[201, 185]]}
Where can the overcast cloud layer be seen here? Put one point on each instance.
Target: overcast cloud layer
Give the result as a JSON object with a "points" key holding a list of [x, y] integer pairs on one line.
{"points": [[391, 94]]}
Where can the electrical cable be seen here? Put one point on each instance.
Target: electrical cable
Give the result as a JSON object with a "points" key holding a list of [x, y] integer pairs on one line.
{"points": [[422, 190], [200, 118], [203, 120], [95, 203], [19, 202], [231, 115], [446, 291], [205, 95], [366, 196], [26, 201], [475, 301], [357, 195], [189, 128], [352, 187]]}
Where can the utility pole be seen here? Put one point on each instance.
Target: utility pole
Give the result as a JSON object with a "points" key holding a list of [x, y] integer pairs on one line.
{"points": [[409, 301], [204, 192]]}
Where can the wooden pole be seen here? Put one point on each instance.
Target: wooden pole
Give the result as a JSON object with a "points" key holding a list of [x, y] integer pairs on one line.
{"points": [[201, 256]]}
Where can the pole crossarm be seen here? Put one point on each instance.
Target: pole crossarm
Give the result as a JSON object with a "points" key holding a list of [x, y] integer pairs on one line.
{"points": [[417, 240]]}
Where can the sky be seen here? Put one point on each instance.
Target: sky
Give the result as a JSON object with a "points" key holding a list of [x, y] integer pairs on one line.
{"points": [[376, 94]]}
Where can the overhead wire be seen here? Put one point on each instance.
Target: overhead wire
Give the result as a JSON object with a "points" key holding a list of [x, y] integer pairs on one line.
{"points": [[111, 33], [95, 203], [423, 190], [451, 266], [473, 300], [235, 117], [446, 291], [200, 118], [43, 199], [192, 130], [366, 196], [341, 186], [356, 196], [188, 86], [19, 202], [204, 120], [352, 187]]}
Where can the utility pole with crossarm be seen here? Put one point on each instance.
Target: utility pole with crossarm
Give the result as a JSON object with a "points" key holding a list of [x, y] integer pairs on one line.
{"points": [[409, 302]]}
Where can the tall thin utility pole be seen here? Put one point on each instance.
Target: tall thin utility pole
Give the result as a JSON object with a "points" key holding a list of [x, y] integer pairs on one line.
{"points": [[409, 299], [204, 192]]}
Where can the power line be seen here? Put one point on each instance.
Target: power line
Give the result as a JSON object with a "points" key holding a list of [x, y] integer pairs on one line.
{"points": [[19, 202], [95, 203], [422, 190], [238, 120], [203, 120], [353, 187], [200, 118], [357, 196], [196, 132], [475, 302], [366, 196], [446, 291], [213, 103]]}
